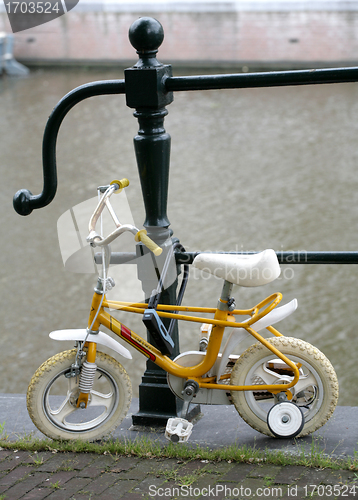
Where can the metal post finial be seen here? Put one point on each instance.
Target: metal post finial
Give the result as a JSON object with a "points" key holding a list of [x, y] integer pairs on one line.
{"points": [[146, 35]]}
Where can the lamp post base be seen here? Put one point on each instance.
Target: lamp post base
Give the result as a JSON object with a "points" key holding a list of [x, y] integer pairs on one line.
{"points": [[157, 403]]}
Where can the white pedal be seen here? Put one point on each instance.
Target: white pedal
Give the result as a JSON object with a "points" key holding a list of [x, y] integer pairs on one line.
{"points": [[178, 430]]}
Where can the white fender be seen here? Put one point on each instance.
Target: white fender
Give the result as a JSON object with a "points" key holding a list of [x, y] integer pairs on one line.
{"points": [[276, 315], [99, 338], [238, 334]]}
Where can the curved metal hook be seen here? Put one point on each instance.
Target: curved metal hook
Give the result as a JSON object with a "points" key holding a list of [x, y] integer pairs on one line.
{"points": [[24, 201]]}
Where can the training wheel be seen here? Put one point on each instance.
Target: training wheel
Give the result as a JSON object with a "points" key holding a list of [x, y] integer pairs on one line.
{"points": [[285, 420]]}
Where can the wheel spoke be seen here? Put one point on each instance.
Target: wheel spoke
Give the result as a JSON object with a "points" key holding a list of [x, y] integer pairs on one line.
{"points": [[99, 399], [64, 410], [305, 382], [268, 376]]}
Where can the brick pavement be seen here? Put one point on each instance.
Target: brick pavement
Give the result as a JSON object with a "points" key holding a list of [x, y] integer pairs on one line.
{"points": [[85, 476]]}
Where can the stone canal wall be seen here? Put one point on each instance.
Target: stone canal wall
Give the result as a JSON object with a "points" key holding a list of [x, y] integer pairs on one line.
{"points": [[238, 33]]}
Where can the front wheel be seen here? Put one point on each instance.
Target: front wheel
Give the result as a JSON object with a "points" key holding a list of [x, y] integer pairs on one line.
{"points": [[52, 396], [316, 392]]}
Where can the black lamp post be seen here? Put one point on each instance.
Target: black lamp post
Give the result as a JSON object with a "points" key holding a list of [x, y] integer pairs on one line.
{"points": [[146, 93]]}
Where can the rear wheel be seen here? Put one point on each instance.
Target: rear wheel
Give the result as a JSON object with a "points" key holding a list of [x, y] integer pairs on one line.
{"points": [[316, 392], [52, 396]]}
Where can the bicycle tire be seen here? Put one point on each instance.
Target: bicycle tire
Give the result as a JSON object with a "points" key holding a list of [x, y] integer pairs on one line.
{"points": [[317, 397], [51, 398]]}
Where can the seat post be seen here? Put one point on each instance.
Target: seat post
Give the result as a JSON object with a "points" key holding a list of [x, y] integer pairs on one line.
{"points": [[225, 296]]}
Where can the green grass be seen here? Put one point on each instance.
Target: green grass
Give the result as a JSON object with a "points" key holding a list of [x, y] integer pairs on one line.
{"points": [[3, 435], [55, 486], [149, 448], [37, 460], [188, 479]]}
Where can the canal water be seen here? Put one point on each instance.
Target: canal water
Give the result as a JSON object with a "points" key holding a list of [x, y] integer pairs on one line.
{"points": [[250, 169]]}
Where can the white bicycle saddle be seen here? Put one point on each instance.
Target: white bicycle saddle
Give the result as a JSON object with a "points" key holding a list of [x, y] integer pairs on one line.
{"points": [[244, 270]]}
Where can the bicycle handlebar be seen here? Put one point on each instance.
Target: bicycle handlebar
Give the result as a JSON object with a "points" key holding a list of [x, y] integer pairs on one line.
{"points": [[140, 235], [115, 186]]}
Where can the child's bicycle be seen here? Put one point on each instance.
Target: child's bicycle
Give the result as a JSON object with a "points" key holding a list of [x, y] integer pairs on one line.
{"points": [[281, 386]]}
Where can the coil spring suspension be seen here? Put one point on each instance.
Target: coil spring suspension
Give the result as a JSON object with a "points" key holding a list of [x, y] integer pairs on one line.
{"points": [[87, 376]]}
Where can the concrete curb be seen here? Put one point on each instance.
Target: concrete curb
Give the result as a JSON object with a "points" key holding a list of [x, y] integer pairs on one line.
{"points": [[219, 426], [79, 476]]}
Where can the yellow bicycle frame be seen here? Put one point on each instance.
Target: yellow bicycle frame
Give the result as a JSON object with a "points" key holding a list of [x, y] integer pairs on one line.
{"points": [[221, 320]]}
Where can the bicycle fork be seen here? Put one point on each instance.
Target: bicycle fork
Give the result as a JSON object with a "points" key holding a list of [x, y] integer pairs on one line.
{"points": [[87, 376], [89, 366]]}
